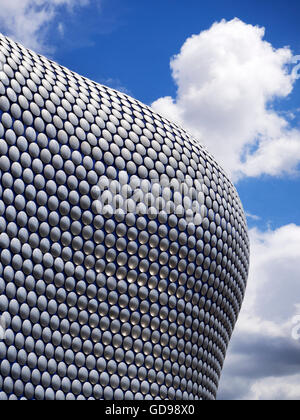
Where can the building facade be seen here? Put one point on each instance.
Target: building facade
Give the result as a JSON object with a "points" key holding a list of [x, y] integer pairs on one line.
{"points": [[123, 245]]}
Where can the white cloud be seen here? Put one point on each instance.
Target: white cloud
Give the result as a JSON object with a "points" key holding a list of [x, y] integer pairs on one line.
{"points": [[252, 216], [61, 29], [26, 21], [274, 277], [228, 78], [276, 389], [263, 358]]}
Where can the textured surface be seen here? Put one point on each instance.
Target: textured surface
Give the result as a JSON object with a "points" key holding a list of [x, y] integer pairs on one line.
{"points": [[97, 300]]}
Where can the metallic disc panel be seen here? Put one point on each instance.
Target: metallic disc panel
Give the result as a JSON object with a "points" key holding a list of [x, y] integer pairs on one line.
{"points": [[123, 245]]}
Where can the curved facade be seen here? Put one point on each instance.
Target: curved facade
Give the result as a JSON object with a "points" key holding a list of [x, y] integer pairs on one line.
{"points": [[123, 245]]}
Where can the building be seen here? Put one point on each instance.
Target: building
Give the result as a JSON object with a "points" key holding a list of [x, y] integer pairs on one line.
{"points": [[123, 245]]}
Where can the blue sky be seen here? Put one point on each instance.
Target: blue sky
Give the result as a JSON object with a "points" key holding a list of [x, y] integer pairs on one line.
{"points": [[128, 45], [133, 41]]}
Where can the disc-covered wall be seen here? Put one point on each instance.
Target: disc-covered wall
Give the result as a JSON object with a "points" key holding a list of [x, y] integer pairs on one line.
{"points": [[102, 300]]}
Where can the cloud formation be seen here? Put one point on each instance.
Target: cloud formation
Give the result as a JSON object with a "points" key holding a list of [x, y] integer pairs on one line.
{"points": [[263, 361], [26, 21], [228, 78]]}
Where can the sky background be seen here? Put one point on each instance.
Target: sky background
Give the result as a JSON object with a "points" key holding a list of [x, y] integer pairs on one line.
{"points": [[224, 69]]}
